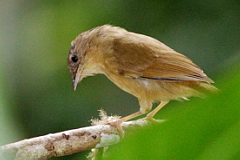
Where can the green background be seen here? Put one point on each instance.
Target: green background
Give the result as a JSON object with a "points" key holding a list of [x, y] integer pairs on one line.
{"points": [[36, 96]]}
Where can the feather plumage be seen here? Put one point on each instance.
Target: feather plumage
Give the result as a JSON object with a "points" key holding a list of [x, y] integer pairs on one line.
{"points": [[154, 62]]}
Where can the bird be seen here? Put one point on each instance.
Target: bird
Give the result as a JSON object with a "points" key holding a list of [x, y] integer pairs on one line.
{"points": [[138, 64]]}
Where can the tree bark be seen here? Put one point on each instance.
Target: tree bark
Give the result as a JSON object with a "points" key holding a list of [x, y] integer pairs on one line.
{"points": [[66, 142]]}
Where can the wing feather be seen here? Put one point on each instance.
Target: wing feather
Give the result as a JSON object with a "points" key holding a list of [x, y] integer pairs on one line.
{"points": [[140, 56]]}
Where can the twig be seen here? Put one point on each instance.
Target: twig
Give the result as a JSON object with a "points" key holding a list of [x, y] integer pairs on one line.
{"points": [[66, 142]]}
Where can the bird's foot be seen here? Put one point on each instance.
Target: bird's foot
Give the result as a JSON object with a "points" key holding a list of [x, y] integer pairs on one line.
{"points": [[153, 120], [117, 124]]}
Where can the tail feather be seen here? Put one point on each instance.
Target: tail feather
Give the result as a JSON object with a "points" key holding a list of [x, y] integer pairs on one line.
{"points": [[208, 87]]}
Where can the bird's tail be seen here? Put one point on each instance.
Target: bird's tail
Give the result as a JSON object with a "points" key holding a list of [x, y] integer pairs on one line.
{"points": [[209, 87]]}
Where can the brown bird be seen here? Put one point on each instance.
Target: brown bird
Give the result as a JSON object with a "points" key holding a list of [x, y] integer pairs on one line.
{"points": [[139, 65]]}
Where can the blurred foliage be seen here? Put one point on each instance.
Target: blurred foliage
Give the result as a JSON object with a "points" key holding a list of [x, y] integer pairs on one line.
{"points": [[36, 93]]}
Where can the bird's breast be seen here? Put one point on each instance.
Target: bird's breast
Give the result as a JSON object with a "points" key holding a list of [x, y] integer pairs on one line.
{"points": [[152, 90]]}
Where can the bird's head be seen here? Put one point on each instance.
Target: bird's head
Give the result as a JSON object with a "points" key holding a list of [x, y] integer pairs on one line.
{"points": [[78, 58], [83, 57]]}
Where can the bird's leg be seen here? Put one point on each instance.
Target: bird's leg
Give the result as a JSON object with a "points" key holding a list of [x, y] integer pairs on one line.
{"points": [[152, 114], [131, 116], [117, 123], [145, 107]]}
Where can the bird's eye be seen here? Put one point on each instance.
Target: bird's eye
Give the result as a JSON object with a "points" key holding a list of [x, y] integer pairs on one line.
{"points": [[74, 58]]}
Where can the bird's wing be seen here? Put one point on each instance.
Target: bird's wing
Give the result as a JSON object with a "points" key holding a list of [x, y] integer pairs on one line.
{"points": [[140, 56]]}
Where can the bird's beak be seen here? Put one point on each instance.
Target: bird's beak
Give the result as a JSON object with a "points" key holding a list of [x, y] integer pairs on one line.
{"points": [[77, 78]]}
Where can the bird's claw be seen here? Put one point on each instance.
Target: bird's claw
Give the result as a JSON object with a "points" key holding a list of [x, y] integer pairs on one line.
{"points": [[117, 124], [153, 120]]}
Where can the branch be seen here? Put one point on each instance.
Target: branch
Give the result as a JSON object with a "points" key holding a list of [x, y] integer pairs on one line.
{"points": [[67, 142]]}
